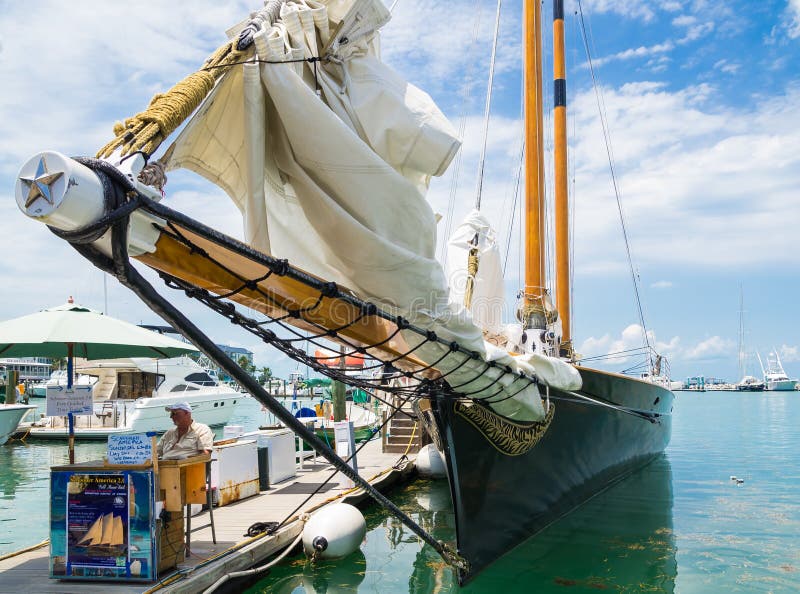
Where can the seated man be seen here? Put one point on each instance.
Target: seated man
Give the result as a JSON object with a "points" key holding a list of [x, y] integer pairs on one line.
{"points": [[187, 438]]}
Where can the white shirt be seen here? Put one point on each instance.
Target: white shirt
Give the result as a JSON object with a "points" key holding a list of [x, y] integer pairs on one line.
{"points": [[198, 438]]}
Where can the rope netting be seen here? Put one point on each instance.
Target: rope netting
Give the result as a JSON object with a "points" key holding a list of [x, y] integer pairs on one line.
{"points": [[375, 372]]}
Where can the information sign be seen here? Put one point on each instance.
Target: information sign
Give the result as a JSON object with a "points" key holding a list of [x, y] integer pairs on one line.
{"points": [[62, 400], [135, 448]]}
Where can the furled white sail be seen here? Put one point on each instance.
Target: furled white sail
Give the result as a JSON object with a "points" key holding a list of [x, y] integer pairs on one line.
{"points": [[486, 304], [329, 166]]}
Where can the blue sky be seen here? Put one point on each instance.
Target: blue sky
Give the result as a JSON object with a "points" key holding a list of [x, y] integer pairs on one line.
{"points": [[703, 104]]}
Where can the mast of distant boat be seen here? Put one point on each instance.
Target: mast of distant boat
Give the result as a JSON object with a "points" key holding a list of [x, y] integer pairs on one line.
{"points": [[741, 333]]}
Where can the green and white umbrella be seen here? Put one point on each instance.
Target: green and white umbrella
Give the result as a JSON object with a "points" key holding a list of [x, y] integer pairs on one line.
{"points": [[71, 330], [93, 335]]}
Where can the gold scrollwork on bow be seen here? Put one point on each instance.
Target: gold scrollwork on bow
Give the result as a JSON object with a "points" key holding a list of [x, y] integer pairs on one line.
{"points": [[508, 437]]}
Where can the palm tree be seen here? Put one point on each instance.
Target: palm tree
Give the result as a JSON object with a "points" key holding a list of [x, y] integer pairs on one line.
{"points": [[265, 374]]}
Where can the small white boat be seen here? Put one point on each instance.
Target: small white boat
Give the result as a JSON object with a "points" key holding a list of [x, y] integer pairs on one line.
{"points": [[10, 417], [130, 395], [364, 422]]}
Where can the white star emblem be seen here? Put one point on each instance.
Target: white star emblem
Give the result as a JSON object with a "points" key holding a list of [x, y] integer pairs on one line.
{"points": [[41, 185]]}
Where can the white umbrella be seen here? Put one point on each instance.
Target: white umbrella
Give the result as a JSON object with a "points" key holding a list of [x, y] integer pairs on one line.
{"points": [[71, 330], [92, 335]]}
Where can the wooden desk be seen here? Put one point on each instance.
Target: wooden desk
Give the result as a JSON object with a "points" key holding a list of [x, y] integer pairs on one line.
{"points": [[183, 481]]}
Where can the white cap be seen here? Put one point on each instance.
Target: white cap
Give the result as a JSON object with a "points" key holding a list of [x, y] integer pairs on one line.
{"points": [[179, 406]]}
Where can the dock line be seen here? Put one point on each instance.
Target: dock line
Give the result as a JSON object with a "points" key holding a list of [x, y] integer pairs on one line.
{"points": [[262, 568], [25, 550]]}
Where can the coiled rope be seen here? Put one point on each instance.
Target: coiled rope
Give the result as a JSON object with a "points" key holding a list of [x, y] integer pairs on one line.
{"points": [[147, 130]]}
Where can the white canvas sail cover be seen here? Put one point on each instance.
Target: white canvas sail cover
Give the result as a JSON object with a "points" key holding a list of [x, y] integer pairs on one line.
{"points": [[329, 166], [486, 306]]}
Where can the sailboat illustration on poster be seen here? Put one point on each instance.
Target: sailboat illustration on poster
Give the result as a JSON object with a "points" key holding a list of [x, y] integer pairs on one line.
{"points": [[106, 530]]}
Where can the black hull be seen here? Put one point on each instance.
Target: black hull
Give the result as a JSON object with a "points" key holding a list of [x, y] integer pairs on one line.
{"points": [[500, 499]]}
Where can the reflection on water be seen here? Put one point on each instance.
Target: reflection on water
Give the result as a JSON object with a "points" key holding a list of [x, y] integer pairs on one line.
{"points": [[25, 488], [342, 576], [622, 540], [680, 524]]}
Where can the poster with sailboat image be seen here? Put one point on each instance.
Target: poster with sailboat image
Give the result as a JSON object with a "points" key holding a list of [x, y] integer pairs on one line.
{"points": [[97, 522]]}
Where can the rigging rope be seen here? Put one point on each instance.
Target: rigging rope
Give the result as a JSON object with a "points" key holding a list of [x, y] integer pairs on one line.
{"points": [[455, 168], [147, 130], [607, 140], [487, 108], [513, 216]]}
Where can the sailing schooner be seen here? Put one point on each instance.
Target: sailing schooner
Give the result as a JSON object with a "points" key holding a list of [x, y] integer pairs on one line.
{"points": [[328, 153]]}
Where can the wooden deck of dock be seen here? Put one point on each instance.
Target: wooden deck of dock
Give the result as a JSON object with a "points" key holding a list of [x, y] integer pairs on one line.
{"points": [[234, 551]]}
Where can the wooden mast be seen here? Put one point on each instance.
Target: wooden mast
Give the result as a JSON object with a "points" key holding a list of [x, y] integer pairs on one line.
{"points": [[563, 301], [533, 314]]}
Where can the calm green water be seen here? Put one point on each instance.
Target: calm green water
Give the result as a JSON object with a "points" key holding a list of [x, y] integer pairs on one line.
{"points": [[679, 525]]}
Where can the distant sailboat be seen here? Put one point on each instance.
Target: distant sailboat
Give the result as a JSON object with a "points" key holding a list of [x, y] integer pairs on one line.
{"points": [[747, 383]]}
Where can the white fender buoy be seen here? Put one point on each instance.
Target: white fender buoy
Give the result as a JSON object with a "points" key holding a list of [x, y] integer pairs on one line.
{"points": [[430, 462], [334, 531]]}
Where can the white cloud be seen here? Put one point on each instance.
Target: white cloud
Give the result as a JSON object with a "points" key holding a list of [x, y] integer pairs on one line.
{"points": [[685, 20], [694, 28], [789, 354], [712, 348], [696, 178], [626, 349], [74, 75], [792, 19], [662, 284], [635, 53], [727, 67], [443, 62], [697, 31], [616, 349], [636, 9]]}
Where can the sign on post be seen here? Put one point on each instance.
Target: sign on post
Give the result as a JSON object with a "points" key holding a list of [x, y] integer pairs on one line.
{"points": [[344, 438], [62, 400]]}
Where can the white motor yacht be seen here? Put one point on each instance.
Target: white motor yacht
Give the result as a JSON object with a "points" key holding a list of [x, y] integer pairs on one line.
{"points": [[775, 378], [129, 396]]}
